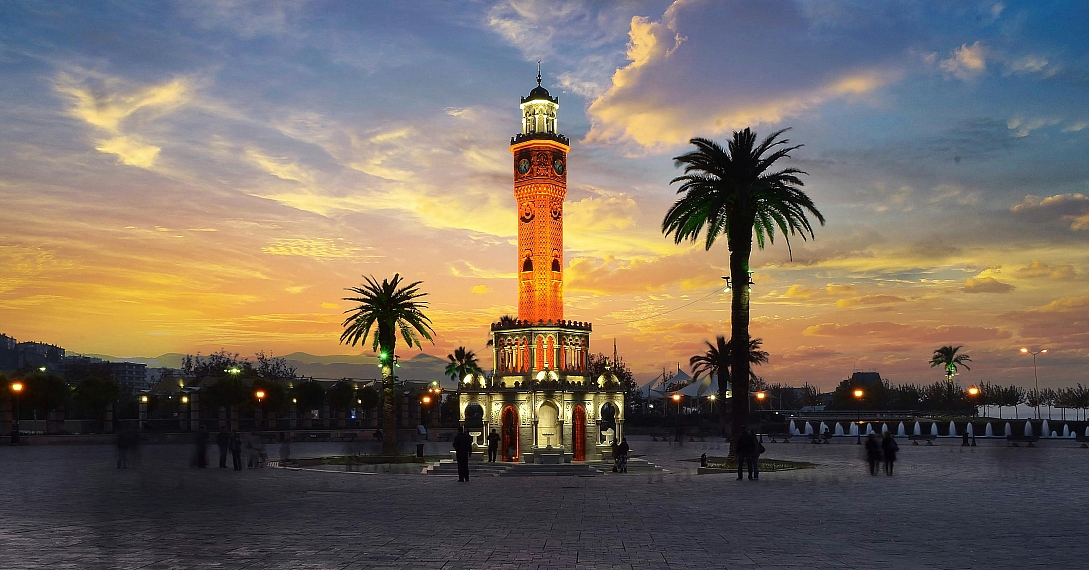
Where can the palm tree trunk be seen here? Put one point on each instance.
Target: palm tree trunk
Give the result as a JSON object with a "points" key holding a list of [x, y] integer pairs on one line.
{"points": [[389, 409], [740, 250]]}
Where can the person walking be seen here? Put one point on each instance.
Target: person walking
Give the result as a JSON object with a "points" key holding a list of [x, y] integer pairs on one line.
{"points": [[202, 447], [889, 447], [493, 445], [463, 444], [746, 446], [235, 446], [754, 457], [123, 449], [873, 452], [222, 439], [624, 449]]}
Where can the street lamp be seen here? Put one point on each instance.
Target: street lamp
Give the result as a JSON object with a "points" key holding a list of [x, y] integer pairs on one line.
{"points": [[973, 392], [16, 389], [677, 398], [1035, 375], [712, 399], [858, 393], [260, 395]]}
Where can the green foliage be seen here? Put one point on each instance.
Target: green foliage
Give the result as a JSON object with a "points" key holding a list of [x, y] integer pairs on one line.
{"points": [[598, 364], [95, 393], [367, 398], [275, 394], [45, 392], [341, 395], [462, 363], [228, 391], [948, 358], [309, 395], [274, 368], [718, 357], [389, 307]]}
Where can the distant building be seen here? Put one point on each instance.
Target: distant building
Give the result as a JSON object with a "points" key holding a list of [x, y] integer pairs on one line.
{"points": [[15, 355], [865, 378], [9, 353], [128, 375]]}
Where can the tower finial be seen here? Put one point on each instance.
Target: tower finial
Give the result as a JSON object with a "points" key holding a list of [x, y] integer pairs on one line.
{"points": [[538, 72]]}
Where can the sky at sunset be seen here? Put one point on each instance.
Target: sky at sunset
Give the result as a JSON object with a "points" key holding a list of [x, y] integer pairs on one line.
{"points": [[195, 175]]}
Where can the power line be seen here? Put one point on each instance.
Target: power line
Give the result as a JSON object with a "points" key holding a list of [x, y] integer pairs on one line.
{"points": [[666, 312]]}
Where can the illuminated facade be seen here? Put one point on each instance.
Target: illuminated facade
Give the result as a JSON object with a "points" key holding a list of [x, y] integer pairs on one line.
{"points": [[540, 397]]}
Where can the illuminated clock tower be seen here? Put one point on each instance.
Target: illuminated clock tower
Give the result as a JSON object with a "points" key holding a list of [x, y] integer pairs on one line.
{"points": [[540, 185], [541, 397]]}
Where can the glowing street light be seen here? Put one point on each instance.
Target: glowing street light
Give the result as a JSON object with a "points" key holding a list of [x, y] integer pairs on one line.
{"points": [[16, 389], [1035, 375], [185, 399], [426, 400], [233, 370], [41, 369], [858, 393]]}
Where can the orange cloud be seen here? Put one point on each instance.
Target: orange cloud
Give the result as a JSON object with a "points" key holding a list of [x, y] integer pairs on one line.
{"points": [[986, 285], [941, 333]]}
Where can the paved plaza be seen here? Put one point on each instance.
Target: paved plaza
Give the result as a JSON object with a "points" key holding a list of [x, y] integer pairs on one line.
{"points": [[948, 507]]}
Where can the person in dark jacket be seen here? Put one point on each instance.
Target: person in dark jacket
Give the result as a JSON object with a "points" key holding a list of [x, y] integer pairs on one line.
{"points": [[873, 452], [222, 439], [493, 445], [202, 447], [889, 448], [463, 444], [235, 446], [624, 449], [746, 447]]}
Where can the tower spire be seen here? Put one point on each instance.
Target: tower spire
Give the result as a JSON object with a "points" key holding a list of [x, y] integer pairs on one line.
{"points": [[538, 73]]}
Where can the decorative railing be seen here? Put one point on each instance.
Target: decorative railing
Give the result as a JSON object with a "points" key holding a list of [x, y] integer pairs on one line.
{"points": [[521, 324]]}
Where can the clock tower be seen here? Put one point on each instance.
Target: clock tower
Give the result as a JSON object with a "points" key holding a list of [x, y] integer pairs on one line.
{"points": [[541, 397], [540, 185]]}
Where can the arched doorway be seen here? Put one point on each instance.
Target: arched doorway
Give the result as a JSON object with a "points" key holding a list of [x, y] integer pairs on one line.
{"points": [[548, 432], [509, 419], [608, 423], [578, 434]]}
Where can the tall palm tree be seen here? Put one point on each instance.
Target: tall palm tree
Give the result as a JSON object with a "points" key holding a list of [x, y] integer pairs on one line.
{"points": [[735, 192], [948, 358], [462, 363], [717, 361], [390, 307]]}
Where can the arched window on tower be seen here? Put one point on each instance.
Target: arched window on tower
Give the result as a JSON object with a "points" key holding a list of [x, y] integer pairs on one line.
{"points": [[555, 265], [528, 265]]}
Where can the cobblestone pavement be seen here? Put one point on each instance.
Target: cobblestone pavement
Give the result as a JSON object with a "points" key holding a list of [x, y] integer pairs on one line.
{"points": [[947, 507]]}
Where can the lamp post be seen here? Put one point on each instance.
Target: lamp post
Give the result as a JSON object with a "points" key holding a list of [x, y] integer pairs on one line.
{"points": [[858, 409], [712, 399], [973, 393], [260, 395], [16, 389], [1035, 375]]}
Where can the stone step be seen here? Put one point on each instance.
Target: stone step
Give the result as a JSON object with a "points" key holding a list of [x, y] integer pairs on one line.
{"points": [[635, 465]]}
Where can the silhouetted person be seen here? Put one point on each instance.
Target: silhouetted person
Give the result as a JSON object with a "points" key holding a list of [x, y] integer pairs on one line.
{"points": [[746, 447], [235, 447], [463, 444], [285, 448], [123, 449], [616, 456], [889, 447], [378, 434], [493, 445], [222, 439], [202, 447], [624, 449], [754, 457], [873, 452]]}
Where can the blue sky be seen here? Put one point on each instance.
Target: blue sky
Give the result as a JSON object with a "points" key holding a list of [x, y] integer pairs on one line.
{"points": [[196, 175]]}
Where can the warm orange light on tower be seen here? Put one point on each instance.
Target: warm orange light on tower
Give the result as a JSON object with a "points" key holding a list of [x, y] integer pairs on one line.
{"points": [[540, 186]]}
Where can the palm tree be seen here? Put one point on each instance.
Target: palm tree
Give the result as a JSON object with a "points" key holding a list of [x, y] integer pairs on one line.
{"points": [[717, 362], [391, 307], [462, 363], [734, 192], [947, 356]]}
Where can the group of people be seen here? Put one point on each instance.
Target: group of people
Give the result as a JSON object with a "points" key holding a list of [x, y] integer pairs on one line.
{"points": [[877, 450], [748, 452], [232, 443]]}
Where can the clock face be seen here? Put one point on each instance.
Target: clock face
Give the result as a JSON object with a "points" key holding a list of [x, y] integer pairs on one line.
{"points": [[557, 165], [523, 166]]}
